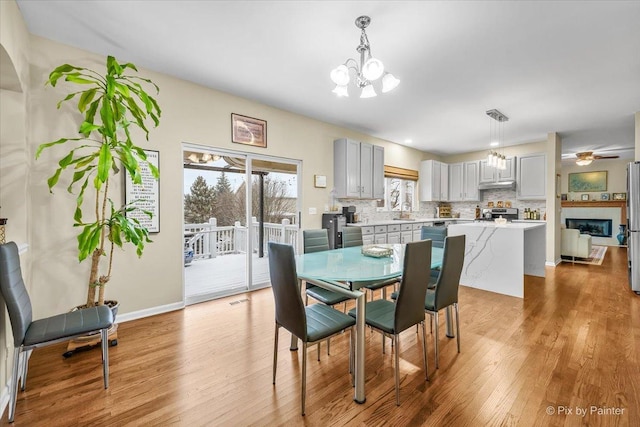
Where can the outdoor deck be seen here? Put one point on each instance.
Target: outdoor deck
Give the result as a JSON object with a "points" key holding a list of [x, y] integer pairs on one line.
{"points": [[223, 275]]}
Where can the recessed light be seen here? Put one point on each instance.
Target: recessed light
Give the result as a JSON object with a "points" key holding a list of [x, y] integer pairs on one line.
{"points": [[408, 141], [495, 143]]}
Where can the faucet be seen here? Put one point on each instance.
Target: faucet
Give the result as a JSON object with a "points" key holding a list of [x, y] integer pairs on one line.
{"points": [[405, 210]]}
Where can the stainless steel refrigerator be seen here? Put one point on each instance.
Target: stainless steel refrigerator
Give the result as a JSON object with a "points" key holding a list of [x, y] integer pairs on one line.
{"points": [[633, 225]]}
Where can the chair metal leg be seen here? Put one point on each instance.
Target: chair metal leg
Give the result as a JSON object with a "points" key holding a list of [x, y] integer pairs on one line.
{"points": [[25, 366], [383, 346], [455, 305], [275, 354], [328, 345], [352, 355], [13, 394], [424, 351], [304, 374], [105, 356], [395, 339], [436, 319]]}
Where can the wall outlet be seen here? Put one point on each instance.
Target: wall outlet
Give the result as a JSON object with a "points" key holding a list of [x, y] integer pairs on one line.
{"points": [[313, 211]]}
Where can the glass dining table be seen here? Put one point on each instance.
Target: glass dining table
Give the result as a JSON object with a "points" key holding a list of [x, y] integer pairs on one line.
{"points": [[345, 271]]}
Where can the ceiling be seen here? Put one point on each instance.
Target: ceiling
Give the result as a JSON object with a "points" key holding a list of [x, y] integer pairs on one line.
{"points": [[571, 67]]}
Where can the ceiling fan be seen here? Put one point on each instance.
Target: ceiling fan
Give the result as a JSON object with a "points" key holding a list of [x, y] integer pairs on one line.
{"points": [[586, 157]]}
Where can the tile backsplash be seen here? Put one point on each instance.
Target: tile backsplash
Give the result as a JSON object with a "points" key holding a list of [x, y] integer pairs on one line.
{"points": [[368, 210]]}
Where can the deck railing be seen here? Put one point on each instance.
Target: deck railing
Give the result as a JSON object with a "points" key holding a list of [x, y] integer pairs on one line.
{"points": [[208, 240]]}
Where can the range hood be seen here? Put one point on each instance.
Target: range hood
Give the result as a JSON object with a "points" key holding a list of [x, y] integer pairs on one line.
{"points": [[503, 185]]}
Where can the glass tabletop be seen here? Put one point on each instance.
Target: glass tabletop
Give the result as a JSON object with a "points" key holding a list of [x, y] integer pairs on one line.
{"points": [[350, 265]]}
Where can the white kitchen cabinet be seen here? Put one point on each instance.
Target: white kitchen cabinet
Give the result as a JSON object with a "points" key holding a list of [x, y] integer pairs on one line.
{"points": [[463, 181], [434, 181], [368, 240], [358, 169], [393, 237], [406, 237], [489, 174], [380, 238], [532, 173], [456, 181]]}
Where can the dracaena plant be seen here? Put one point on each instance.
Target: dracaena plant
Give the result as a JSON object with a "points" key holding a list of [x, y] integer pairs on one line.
{"points": [[110, 104]]}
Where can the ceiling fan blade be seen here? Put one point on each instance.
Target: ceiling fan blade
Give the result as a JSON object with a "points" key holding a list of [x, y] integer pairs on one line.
{"points": [[605, 157]]}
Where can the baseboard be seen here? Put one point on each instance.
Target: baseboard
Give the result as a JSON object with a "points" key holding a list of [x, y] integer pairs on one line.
{"points": [[553, 264], [134, 315]]}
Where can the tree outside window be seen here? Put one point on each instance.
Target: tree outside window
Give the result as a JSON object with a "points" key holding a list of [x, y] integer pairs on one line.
{"points": [[399, 194]]}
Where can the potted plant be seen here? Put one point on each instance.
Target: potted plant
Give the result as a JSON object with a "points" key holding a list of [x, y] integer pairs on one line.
{"points": [[110, 104]]}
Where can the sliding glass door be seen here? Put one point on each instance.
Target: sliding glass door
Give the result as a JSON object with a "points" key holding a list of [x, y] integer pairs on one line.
{"points": [[234, 204]]}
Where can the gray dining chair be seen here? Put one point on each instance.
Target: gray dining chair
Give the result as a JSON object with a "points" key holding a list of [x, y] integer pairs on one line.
{"points": [[445, 292], [29, 334], [352, 236], [312, 323], [317, 241], [437, 234], [391, 318]]}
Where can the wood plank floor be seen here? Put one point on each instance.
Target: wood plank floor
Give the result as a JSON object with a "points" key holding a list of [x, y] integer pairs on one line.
{"points": [[572, 342]]}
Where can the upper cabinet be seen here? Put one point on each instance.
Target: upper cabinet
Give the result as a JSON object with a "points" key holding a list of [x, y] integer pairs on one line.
{"points": [[470, 184], [434, 181], [463, 181], [532, 172], [489, 174], [358, 169]]}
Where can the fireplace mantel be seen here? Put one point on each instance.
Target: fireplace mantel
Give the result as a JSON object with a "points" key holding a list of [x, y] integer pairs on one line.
{"points": [[622, 204]]}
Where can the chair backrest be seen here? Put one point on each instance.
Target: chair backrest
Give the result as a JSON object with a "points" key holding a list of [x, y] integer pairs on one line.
{"points": [[436, 234], [409, 308], [14, 292], [449, 279], [290, 312], [315, 240], [351, 236]]}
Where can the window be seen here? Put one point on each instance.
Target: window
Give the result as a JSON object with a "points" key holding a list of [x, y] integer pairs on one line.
{"points": [[399, 194]]}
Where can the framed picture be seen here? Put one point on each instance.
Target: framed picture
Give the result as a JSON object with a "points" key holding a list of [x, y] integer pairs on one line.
{"points": [[563, 196], [619, 196], [588, 181], [320, 181], [248, 131], [145, 196], [584, 197], [604, 196]]}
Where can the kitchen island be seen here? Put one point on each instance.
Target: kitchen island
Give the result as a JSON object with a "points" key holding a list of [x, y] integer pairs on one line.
{"points": [[498, 256]]}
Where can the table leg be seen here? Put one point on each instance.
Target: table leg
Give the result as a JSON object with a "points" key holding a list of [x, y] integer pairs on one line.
{"points": [[359, 395], [448, 316]]}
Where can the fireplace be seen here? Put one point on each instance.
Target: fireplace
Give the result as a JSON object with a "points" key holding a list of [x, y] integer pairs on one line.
{"points": [[594, 227]]}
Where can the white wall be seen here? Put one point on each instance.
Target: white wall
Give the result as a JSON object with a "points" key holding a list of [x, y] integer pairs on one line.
{"points": [[616, 176]]}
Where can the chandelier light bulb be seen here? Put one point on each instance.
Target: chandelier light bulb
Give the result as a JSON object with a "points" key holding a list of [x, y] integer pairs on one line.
{"points": [[373, 69], [583, 162], [389, 82], [340, 75], [368, 92], [341, 91]]}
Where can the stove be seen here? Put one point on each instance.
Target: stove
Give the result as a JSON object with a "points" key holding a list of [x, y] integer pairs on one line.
{"points": [[508, 213]]}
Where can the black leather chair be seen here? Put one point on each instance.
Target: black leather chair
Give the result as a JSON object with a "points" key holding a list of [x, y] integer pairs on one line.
{"points": [[445, 292], [352, 236], [29, 334], [437, 234], [390, 317], [316, 241], [311, 324]]}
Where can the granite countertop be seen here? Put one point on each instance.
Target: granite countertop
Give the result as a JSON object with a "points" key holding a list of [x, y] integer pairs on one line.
{"points": [[406, 221]]}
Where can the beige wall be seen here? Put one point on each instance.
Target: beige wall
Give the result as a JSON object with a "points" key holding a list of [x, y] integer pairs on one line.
{"points": [[616, 176], [14, 38], [554, 167], [514, 150]]}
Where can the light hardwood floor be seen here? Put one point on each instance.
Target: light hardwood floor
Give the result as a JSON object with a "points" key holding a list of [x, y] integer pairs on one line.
{"points": [[572, 342]]}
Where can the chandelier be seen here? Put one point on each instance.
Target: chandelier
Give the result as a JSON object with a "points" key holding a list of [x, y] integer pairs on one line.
{"points": [[496, 132], [366, 71]]}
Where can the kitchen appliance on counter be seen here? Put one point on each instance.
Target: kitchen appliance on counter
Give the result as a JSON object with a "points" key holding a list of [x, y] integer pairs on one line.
{"points": [[633, 225], [334, 222], [509, 214], [349, 213]]}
